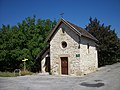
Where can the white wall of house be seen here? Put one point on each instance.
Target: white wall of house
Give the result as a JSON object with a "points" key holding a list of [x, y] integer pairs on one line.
{"points": [[43, 65], [89, 59], [43, 61]]}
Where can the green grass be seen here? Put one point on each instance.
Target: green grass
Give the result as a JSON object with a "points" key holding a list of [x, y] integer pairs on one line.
{"points": [[6, 74], [11, 74]]}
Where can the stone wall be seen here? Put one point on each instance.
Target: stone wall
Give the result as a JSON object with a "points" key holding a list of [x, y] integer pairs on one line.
{"points": [[89, 59], [87, 62]]}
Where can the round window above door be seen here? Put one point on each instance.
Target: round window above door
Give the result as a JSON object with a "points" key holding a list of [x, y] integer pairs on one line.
{"points": [[64, 44]]}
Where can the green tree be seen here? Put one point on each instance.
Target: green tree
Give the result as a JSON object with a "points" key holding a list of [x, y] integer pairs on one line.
{"points": [[24, 40], [108, 45]]}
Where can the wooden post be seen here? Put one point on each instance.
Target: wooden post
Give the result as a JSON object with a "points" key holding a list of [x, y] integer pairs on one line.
{"points": [[24, 66]]}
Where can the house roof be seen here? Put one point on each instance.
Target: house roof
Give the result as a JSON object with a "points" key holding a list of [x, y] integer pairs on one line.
{"points": [[45, 49], [78, 30]]}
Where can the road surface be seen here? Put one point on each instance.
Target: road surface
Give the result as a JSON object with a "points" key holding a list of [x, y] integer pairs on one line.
{"points": [[106, 78]]}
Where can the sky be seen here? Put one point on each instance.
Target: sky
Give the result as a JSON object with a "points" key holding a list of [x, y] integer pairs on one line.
{"points": [[75, 11]]}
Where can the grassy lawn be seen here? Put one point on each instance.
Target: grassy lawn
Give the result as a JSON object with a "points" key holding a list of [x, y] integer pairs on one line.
{"points": [[11, 74], [6, 74]]}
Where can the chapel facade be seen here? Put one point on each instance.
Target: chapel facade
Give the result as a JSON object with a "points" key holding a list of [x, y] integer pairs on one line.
{"points": [[71, 50]]}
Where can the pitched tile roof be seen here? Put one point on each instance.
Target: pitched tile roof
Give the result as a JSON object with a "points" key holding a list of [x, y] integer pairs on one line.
{"points": [[83, 31], [80, 31]]}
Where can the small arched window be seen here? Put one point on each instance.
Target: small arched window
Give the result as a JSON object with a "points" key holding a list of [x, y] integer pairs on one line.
{"points": [[63, 30], [88, 46]]}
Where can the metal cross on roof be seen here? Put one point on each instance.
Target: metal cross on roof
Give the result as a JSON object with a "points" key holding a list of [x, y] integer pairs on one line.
{"points": [[61, 15]]}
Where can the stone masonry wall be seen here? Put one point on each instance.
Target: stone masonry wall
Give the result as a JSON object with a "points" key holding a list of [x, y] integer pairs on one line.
{"points": [[87, 62], [89, 59]]}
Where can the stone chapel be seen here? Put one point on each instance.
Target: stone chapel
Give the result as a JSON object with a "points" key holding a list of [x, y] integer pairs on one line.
{"points": [[70, 50]]}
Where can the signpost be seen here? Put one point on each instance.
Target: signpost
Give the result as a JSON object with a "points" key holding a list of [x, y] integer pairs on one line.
{"points": [[24, 60]]}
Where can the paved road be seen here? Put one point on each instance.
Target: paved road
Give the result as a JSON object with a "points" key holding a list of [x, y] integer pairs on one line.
{"points": [[106, 78]]}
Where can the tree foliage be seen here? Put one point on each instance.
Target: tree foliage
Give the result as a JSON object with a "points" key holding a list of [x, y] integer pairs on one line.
{"points": [[108, 42], [24, 40]]}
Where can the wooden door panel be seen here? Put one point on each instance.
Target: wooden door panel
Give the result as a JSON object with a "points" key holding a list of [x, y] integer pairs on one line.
{"points": [[64, 65]]}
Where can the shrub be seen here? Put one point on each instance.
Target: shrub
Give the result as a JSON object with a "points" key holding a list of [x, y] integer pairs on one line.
{"points": [[26, 73]]}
